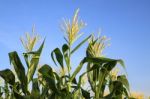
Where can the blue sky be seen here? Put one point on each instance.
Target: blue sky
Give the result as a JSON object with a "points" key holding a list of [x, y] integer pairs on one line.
{"points": [[126, 22]]}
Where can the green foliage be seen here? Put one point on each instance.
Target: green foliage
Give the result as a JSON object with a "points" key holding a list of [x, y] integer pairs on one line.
{"points": [[51, 84], [8, 76]]}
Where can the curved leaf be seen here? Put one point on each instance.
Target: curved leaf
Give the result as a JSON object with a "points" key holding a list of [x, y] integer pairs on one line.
{"points": [[8, 76], [65, 49], [59, 57], [124, 81], [98, 60], [48, 75]]}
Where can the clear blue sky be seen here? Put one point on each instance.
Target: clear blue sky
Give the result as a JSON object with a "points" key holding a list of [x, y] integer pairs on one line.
{"points": [[126, 22]]}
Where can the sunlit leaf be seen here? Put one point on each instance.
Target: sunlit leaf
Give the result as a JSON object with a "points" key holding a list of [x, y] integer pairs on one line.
{"points": [[34, 62]]}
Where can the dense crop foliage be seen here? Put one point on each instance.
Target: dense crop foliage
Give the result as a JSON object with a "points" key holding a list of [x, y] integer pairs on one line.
{"points": [[94, 83]]}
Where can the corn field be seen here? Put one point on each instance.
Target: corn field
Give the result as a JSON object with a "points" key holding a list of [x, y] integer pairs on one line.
{"points": [[100, 80]]}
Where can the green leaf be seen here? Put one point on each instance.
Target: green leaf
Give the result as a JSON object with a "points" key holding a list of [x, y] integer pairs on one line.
{"points": [[46, 70], [33, 43], [80, 44], [104, 72], [77, 70], [48, 75], [109, 66], [88, 70], [121, 63], [59, 57], [118, 87], [19, 69], [124, 81], [26, 59], [117, 90], [90, 76], [35, 93], [8, 76], [34, 62], [98, 60], [65, 49], [85, 94]]}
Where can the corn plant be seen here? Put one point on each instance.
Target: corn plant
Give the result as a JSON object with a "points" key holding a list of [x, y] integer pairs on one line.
{"points": [[64, 85], [51, 84], [100, 77], [18, 88]]}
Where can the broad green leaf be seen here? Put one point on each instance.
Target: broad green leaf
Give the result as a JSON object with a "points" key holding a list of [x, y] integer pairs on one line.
{"points": [[89, 70], [19, 69], [117, 90], [109, 66], [126, 92], [8, 76], [65, 49], [48, 75], [59, 57], [118, 87], [51, 83], [124, 81], [121, 63], [34, 62], [98, 60], [80, 44], [91, 60], [46, 70], [103, 74], [90, 76]]}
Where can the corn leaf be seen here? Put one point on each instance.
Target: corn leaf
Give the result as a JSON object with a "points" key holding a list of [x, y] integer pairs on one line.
{"points": [[48, 75], [59, 57], [19, 69], [35, 93], [124, 81], [8, 76], [80, 44], [34, 62], [65, 49]]}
